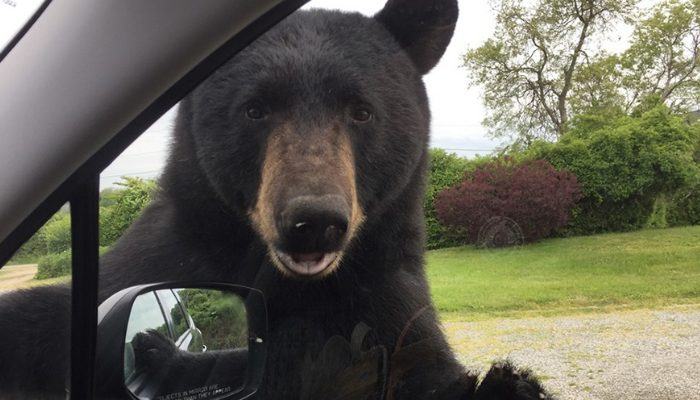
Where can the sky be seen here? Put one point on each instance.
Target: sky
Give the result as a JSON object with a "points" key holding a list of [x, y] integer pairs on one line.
{"points": [[13, 14]]}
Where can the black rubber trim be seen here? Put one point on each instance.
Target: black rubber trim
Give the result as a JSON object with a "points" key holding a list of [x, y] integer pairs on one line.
{"points": [[25, 28], [85, 235], [103, 157]]}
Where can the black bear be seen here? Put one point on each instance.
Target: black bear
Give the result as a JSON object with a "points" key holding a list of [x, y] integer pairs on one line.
{"points": [[297, 168]]}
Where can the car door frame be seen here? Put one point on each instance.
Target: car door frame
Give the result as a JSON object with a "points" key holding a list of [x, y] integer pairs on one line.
{"points": [[169, 319]]}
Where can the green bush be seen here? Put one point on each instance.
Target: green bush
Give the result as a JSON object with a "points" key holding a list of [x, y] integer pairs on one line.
{"points": [[54, 265], [54, 237], [219, 315], [659, 214], [623, 166], [119, 207], [125, 205], [446, 170], [684, 207], [30, 251], [108, 196], [56, 233], [57, 264]]}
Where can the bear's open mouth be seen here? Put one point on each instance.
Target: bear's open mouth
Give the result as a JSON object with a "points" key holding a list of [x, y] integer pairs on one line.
{"points": [[307, 264]]}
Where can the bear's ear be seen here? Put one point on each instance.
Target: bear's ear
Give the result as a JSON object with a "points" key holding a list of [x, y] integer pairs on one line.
{"points": [[422, 27]]}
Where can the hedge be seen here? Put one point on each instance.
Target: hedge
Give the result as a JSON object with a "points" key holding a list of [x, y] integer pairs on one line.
{"points": [[125, 205], [56, 265], [509, 202], [624, 166]]}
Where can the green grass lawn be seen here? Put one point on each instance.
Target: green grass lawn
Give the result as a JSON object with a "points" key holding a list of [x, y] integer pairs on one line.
{"points": [[646, 268]]}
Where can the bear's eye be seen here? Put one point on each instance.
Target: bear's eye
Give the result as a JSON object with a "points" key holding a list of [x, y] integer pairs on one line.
{"points": [[254, 112], [361, 115]]}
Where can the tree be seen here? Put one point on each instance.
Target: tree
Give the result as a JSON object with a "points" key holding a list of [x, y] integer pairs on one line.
{"points": [[528, 68], [663, 60], [597, 88], [661, 66]]}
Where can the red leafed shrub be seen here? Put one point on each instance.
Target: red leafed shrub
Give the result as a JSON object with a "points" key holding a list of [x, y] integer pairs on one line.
{"points": [[534, 195]]}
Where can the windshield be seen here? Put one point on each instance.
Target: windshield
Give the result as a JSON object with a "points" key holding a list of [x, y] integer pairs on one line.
{"points": [[437, 200]]}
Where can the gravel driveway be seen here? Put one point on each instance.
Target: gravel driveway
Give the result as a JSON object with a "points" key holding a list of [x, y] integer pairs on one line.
{"points": [[16, 276], [640, 354]]}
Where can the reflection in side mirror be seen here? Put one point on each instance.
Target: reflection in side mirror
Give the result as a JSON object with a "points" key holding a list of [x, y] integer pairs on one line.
{"points": [[186, 342]]}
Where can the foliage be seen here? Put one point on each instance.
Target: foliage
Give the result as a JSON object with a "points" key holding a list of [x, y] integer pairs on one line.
{"points": [[528, 68], [30, 251], [597, 86], [623, 165], [119, 207], [128, 202], [56, 234], [54, 265], [696, 126], [638, 269], [684, 207], [542, 65], [533, 194], [108, 196], [219, 315], [659, 214], [663, 60], [53, 237], [446, 170], [661, 65]]}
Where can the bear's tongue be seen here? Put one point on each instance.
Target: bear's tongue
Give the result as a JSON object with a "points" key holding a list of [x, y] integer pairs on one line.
{"points": [[307, 257], [307, 264]]}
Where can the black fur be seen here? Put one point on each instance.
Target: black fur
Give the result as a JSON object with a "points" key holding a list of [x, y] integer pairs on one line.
{"points": [[306, 70], [504, 381], [35, 343]]}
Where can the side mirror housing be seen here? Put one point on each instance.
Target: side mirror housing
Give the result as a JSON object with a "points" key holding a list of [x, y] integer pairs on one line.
{"points": [[181, 339]]}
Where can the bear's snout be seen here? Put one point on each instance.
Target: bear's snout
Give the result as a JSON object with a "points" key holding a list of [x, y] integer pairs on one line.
{"points": [[312, 232], [313, 224], [307, 210]]}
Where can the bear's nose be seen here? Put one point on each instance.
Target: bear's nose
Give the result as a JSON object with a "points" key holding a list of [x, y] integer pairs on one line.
{"points": [[314, 224]]}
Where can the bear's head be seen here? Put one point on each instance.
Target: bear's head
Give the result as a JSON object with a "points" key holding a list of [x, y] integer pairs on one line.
{"points": [[319, 125]]}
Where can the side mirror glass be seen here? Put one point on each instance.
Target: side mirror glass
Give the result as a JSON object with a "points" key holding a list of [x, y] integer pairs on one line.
{"points": [[169, 331], [182, 342]]}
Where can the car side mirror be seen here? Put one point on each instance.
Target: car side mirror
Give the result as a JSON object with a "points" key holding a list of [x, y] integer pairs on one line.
{"points": [[181, 341]]}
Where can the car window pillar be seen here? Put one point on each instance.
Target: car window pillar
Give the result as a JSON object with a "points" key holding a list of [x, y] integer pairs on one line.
{"points": [[84, 210]]}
